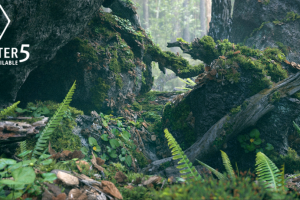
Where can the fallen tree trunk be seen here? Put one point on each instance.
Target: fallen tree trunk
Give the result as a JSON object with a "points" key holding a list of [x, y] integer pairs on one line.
{"points": [[258, 106]]}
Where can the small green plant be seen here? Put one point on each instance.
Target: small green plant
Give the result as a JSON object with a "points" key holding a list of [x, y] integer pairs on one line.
{"points": [[186, 168], [24, 177], [252, 141], [94, 144], [120, 146], [34, 111], [8, 110]]}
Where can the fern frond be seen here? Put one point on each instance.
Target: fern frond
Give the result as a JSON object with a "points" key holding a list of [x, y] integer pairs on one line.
{"points": [[227, 164], [294, 176], [281, 178], [188, 170], [218, 174], [8, 110], [237, 170], [55, 120], [23, 148], [267, 172], [296, 127]]}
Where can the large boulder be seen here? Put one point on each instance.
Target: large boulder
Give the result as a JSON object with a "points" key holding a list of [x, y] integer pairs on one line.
{"points": [[268, 24], [104, 59], [46, 26], [259, 24], [103, 51]]}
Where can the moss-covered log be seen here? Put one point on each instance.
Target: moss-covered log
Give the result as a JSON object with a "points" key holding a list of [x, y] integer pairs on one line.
{"points": [[228, 127]]}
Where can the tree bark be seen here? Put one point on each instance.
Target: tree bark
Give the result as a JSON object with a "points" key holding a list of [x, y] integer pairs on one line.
{"points": [[220, 24], [208, 13]]}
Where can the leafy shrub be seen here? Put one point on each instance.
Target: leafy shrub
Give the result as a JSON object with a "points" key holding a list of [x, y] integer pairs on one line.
{"points": [[239, 188]]}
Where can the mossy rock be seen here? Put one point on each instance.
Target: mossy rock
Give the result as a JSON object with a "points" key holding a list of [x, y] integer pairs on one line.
{"points": [[87, 52], [119, 81], [99, 93], [136, 106]]}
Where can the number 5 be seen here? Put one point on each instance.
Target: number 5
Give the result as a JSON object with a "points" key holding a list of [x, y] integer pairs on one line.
{"points": [[24, 51]]}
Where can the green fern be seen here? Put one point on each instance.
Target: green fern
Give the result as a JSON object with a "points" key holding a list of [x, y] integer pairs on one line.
{"points": [[237, 169], [189, 171], [296, 127], [218, 174], [227, 165], [55, 120], [281, 182], [8, 110], [267, 172], [23, 148]]}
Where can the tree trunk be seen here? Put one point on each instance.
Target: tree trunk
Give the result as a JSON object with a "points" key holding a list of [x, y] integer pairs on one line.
{"points": [[146, 14], [176, 26], [202, 17], [186, 29], [208, 13], [220, 24]]}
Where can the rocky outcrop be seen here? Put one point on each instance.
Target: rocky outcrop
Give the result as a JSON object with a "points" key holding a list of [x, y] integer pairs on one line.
{"points": [[259, 24], [46, 26], [105, 57], [267, 24]]}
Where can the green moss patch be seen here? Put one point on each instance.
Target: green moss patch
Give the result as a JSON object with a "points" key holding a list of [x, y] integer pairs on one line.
{"points": [[262, 64], [119, 81], [175, 117], [99, 93], [136, 106], [87, 52]]}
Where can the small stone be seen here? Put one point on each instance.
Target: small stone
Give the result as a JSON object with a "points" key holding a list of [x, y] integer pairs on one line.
{"points": [[111, 189], [153, 137], [151, 180], [61, 196], [130, 187], [68, 179]]}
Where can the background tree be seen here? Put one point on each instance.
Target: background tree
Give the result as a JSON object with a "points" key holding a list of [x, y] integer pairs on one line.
{"points": [[167, 20]]}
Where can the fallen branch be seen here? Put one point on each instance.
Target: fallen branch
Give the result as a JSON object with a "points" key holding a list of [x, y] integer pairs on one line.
{"points": [[258, 106]]}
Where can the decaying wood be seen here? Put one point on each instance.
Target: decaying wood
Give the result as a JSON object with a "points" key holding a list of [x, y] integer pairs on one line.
{"points": [[90, 182], [12, 131]]}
